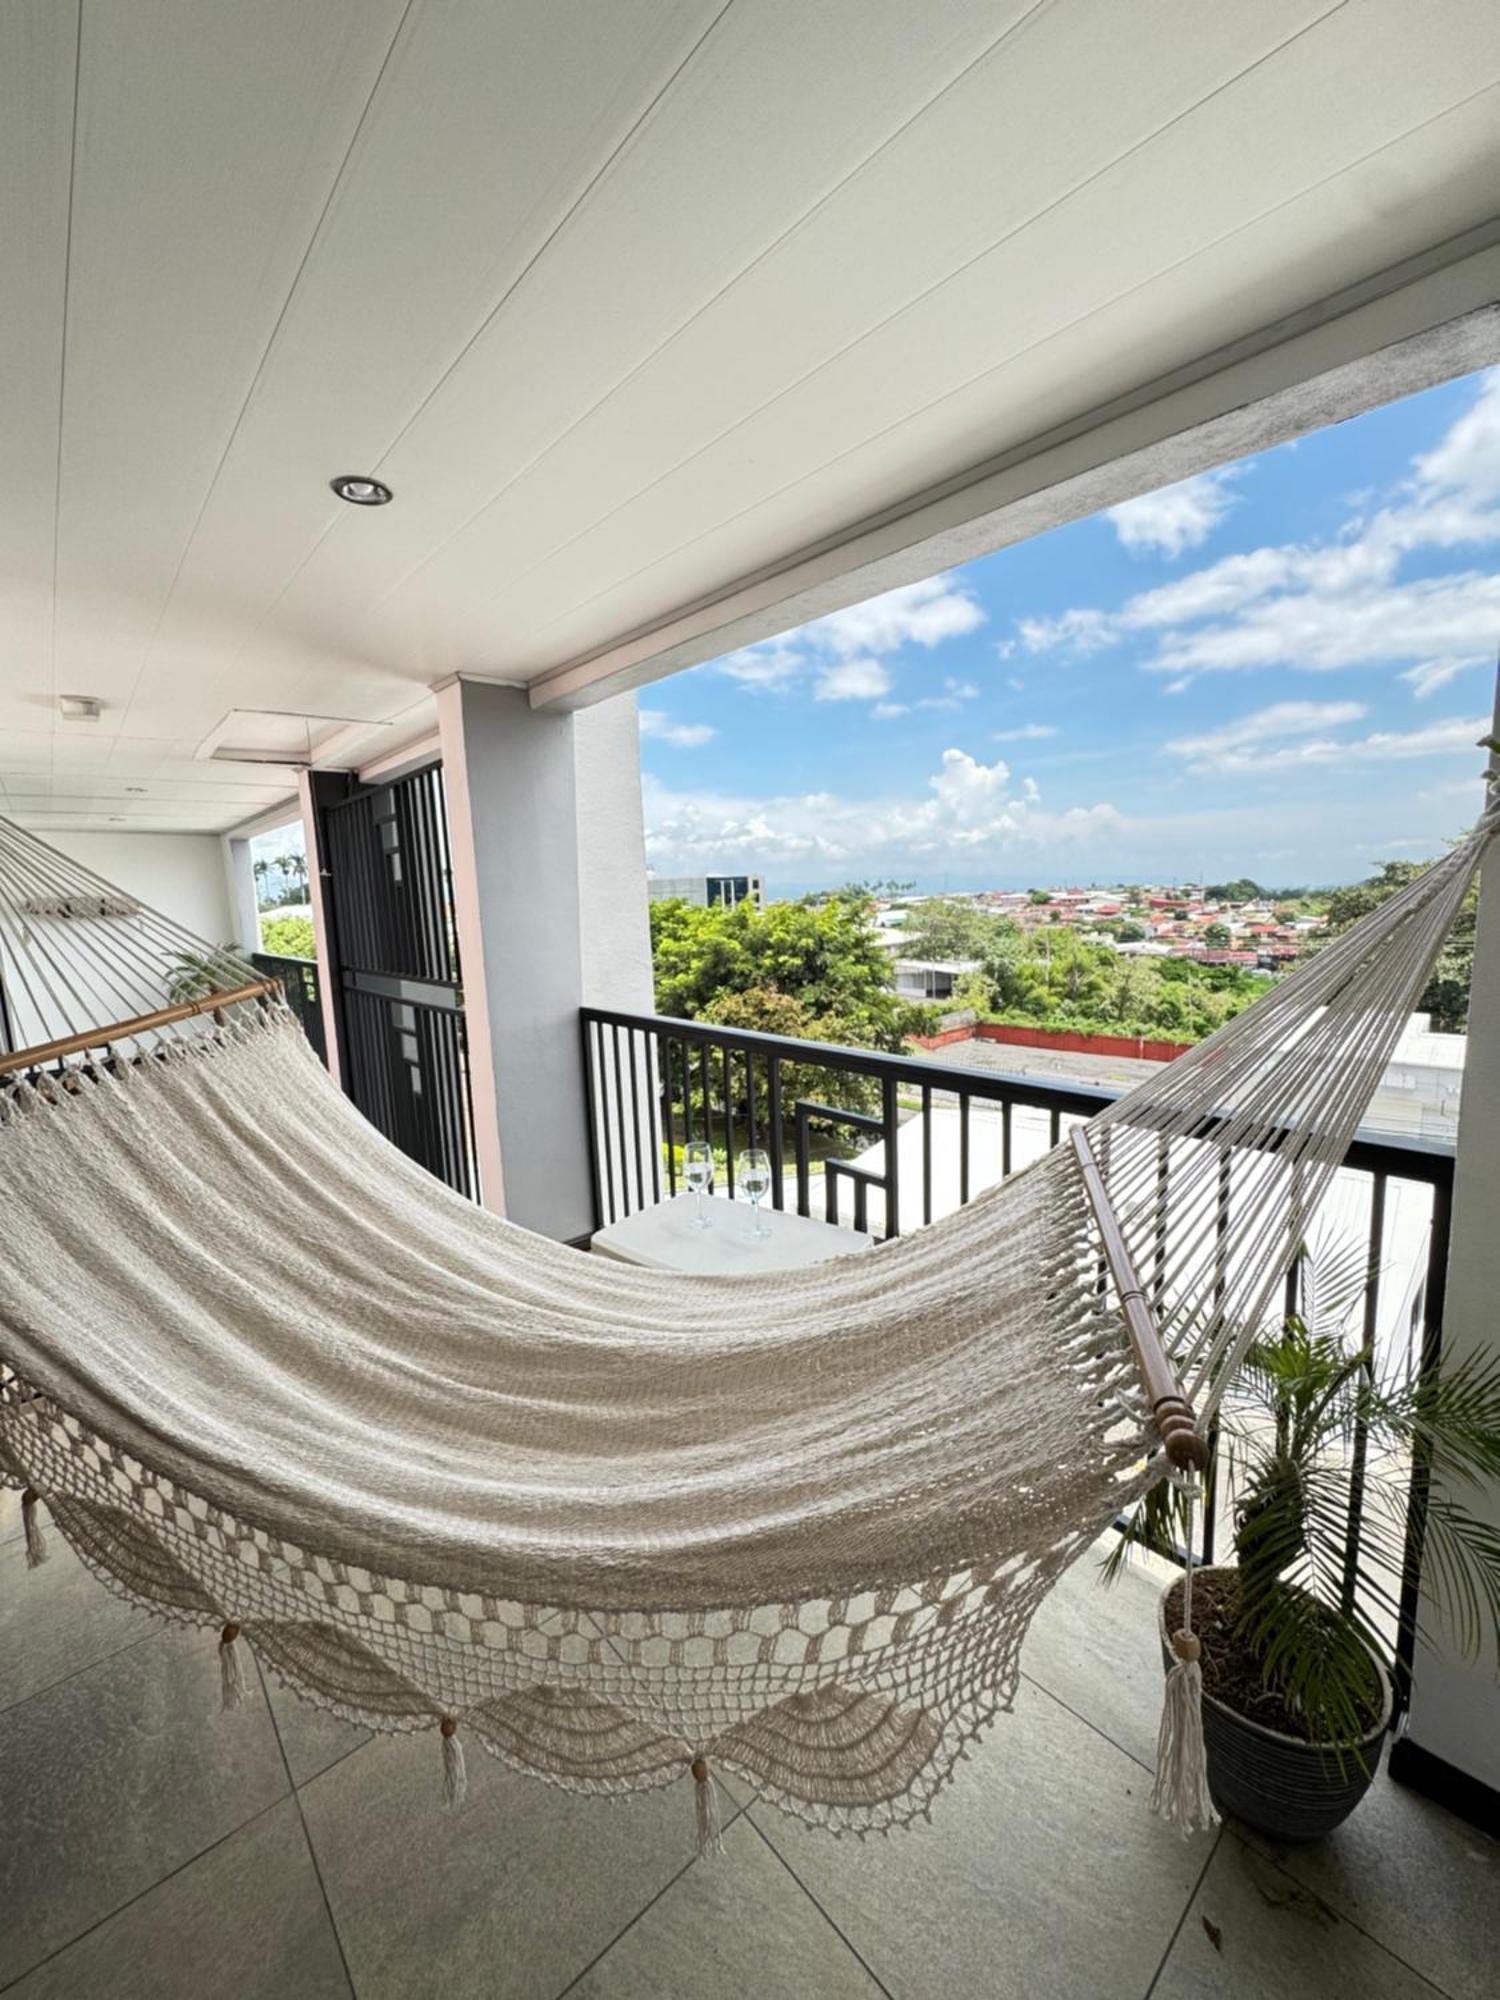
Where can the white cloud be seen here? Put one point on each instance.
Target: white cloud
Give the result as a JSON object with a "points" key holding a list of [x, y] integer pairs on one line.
{"points": [[1429, 675], [1175, 518], [967, 809], [1318, 631], [1343, 603], [922, 614], [887, 711], [1281, 719], [1030, 732], [955, 693], [839, 654], [1078, 631], [1292, 735], [772, 665], [659, 726], [858, 679], [1468, 458]]}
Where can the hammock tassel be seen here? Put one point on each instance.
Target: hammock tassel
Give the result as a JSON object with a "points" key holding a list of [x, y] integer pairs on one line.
{"points": [[706, 1803], [455, 1776], [36, 1541], [232, 1689], [1181, 1796]]}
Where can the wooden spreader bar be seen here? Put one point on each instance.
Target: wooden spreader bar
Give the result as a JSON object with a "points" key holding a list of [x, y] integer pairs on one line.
{"points": [[1171, 1411], [120, 1031]]}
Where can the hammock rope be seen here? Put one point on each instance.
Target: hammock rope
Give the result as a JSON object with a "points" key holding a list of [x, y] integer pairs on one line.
{"points": [[621, 1527]]}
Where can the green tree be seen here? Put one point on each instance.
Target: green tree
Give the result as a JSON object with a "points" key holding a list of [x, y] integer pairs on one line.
{"points": [[287, 937], [937, 928], [1218, 936], [824, 957], [1446, 996]]}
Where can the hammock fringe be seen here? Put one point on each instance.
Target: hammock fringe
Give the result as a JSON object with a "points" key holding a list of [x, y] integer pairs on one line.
{"points": [[1181, 1796], [36, 1541], [232, 1688], [455, 1771], [706, 1813]]}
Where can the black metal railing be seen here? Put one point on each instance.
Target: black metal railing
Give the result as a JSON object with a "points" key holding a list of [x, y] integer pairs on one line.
{"points": [[299, 982], [655, 1083]]}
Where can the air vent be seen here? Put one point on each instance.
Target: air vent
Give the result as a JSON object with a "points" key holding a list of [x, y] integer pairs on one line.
{"points": [[275, 736]]}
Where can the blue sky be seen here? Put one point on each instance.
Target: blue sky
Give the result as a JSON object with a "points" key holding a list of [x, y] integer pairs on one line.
{"points": [[1277, 669]]}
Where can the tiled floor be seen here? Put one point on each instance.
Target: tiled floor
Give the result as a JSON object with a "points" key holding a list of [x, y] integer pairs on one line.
{"points": [[151, 1847]]}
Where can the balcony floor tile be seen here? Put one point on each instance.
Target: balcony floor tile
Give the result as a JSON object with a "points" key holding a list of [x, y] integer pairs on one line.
{"points": [[1421, 1882], [1254, 1932], [731, 1926], [147, 1837], [115, 1777], [247, 1918], [1093, 1645], [57, 1619], [1041, 1872], [512, 1896]]}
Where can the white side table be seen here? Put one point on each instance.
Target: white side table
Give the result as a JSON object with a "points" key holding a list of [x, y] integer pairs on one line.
{"points": [[665, 1237]]}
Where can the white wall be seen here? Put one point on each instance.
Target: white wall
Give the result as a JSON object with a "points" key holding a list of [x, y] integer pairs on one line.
{"points": [[1455, 1710], [615, 926], [180, 874]]}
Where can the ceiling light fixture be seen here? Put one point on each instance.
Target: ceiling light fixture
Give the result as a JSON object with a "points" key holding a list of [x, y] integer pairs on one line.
{"points": [[79, 707], [360, 490]]}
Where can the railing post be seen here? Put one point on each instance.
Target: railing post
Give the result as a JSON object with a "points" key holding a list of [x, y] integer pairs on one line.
{"points": [[889, 1109], [1434, 1297], [591, 1112], [778, 1132]]}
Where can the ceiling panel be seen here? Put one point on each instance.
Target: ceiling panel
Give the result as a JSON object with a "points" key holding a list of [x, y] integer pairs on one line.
{"points": [[490, 125], [627, 304], [1070, 267], [209, 135], [779, 106], [38, 50], [886, 237]]}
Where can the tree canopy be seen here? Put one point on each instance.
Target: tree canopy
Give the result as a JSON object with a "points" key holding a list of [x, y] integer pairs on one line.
{"points": [[1446, 996], [936, 928], [811, 970]]}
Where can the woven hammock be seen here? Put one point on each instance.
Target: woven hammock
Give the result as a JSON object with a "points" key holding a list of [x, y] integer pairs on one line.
{"points": [[615, 1523]]}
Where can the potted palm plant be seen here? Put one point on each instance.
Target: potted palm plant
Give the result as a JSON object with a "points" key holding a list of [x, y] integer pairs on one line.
{"points": [[1298, 1635], [195, 974]]}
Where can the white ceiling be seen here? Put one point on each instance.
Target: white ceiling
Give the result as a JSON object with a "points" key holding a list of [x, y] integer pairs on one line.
{"points": [[627, 302]]}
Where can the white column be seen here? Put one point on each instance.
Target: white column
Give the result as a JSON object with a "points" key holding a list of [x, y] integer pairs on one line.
{"points": [[1455, 1708], [550, 906]]}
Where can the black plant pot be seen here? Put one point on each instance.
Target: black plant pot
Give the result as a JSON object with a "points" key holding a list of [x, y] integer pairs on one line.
{"points": [[1281, 1785]]}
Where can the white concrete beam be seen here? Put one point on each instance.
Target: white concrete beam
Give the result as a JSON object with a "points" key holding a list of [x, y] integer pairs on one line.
{"points": [[1424, 321]]}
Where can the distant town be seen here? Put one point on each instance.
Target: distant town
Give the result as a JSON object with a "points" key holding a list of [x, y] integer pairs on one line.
{"points": [[1235, 923]]}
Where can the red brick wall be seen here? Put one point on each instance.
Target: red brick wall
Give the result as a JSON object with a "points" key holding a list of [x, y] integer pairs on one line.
{"points": [[1050, 1038]]}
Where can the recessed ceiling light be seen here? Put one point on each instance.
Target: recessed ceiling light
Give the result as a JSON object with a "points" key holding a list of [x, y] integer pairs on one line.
{"points": [[79, 707], [360, 490]]}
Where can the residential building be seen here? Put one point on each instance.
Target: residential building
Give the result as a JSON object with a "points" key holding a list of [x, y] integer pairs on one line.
{"points": [[930, 978], [707, 891]]}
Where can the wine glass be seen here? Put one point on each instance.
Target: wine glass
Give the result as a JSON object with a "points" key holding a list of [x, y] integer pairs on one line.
{"points": [[755, 1179], [698, 1172]]}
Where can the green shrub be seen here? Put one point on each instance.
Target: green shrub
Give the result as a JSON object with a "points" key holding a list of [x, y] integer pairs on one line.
{"points": [[288, 937]]}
